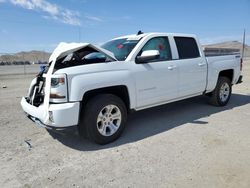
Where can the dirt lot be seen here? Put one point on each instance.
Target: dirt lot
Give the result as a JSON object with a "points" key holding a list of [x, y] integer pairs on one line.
{"points": [[183, 144]]}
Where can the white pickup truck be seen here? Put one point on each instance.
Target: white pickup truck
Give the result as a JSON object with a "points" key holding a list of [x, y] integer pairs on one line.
{"points": [[96, 87]]}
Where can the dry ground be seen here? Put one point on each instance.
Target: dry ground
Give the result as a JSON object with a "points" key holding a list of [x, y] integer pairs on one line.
{"points": [[183, 144]]}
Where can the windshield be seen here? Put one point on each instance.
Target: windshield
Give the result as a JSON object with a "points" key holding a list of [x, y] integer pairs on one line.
{"points": [[121, 48]]}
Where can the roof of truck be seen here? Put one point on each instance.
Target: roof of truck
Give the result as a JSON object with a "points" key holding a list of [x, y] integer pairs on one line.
{"points": [[137, 37]]}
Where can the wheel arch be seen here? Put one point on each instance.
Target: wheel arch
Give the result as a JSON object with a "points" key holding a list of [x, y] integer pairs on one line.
{"points": [[229, 73], [213, 78], [120, 91]]}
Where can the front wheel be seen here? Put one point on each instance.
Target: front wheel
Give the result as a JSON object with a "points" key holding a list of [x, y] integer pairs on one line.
{"points": [[103, 118], [222, 92]]}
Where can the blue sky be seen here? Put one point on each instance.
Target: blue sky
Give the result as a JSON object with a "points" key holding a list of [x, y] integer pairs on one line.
{"points": [[42, 24]]}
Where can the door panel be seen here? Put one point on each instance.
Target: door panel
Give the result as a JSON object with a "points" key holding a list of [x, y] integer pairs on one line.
{"points": [[192, 76], [157, 80], [192, 67], [156, 83]]}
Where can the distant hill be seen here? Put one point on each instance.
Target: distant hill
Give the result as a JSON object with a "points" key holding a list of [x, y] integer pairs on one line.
{"points": [[31, 56], [35, 56], [232, 45]]}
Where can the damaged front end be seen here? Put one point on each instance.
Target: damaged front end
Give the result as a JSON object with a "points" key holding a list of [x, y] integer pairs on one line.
{"points": [[36, 92], [47, 102]]}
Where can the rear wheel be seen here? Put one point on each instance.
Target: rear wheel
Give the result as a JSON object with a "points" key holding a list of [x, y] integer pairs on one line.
{"points": [[222, 92], [103, 118]]}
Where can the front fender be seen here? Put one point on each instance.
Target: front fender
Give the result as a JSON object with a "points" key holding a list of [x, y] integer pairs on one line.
{"points": [[80, 84]]}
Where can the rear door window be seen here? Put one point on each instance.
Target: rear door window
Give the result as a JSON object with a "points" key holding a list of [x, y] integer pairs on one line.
{"points": [[187, 47]]}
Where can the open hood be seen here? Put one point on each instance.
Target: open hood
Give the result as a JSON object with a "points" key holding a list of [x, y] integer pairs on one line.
{"points": [[62, 50], [65, 48]]}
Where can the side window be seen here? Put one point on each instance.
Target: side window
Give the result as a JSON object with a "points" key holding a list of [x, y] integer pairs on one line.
{"points": [[162, 45], [187, 47]]}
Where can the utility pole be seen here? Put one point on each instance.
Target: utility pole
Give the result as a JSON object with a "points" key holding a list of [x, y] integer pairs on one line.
{"points": [[24, 66], [243, 45], [44, 56]]}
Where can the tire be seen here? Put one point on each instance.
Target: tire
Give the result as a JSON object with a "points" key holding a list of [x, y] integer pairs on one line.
{"points": [[103, 119], [222, 92]]}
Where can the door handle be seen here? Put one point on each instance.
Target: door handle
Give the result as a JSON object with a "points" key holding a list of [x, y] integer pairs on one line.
{"points": [[171, 67], [201, 64]]}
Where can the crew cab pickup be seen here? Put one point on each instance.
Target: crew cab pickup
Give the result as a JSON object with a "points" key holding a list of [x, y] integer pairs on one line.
{"points": [[96, 87]]}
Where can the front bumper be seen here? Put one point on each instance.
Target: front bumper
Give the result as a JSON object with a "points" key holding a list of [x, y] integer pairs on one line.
{"points": [[57, 116]]}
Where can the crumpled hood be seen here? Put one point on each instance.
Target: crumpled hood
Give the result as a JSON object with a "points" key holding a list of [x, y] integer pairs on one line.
{"points": [[61, 50], [65, 48]]}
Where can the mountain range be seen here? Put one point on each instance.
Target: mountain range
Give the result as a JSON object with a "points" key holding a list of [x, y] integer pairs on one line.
{"points": [[232, 45], [31, 56], [41, 56]]}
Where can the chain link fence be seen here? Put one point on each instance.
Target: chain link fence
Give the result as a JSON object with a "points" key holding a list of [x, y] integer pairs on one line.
{"points": [[21, 63]]}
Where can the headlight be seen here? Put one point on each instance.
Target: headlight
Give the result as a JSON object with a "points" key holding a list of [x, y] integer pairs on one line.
{"points": [[57, 81], [58, 90]]}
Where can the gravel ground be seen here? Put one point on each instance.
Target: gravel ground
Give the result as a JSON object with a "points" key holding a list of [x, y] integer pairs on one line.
{"points": [[184, 144]]}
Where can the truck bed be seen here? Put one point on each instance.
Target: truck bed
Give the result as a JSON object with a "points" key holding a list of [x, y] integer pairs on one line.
{"points": [[221, 51]]}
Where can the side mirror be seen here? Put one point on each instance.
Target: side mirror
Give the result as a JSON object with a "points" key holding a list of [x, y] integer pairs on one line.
{"points": [[148, 55]]}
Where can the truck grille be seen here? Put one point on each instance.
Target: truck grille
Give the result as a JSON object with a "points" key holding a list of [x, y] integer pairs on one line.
{"points": [[36, 95]]}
